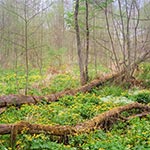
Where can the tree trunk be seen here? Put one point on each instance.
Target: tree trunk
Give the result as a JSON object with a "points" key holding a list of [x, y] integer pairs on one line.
{"points": [[87, 40], [103, 121], [18, 100], [111, 40], [80, 57], [26, 47]]}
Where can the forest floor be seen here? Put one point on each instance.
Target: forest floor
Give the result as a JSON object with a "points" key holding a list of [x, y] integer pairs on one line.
{"points": [[70, 110]]}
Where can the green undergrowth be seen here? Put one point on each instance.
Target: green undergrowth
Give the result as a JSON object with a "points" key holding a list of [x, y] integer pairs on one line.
{"points": [[12, 82], [92, 72], [71, 110], [144, 74], [68, 110], [133, 135], [60, 83]]}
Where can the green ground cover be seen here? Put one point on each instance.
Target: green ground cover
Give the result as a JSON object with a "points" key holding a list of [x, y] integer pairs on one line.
{"points": [[70, 110]]}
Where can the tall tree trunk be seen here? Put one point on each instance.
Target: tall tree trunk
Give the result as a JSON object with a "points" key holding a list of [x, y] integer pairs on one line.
{"points": [[87, 40], [123, 34], [26, 47], [81, 64], [111, 40], [94, 44]]}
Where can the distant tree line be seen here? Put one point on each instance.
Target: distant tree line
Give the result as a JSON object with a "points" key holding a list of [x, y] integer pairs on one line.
{"points": [[38, 33]]}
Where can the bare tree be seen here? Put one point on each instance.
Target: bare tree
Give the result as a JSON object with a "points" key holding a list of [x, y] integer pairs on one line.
{"points": [[111, 39], [26, 12], [124, 34]]}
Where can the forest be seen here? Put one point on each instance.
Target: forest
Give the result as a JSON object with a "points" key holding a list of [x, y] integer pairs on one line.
{"points": [[74, 74]]}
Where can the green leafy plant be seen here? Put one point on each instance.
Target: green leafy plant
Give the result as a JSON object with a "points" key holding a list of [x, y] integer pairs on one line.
{"points": [[60, 83], [144, 74], [12, 83], [109, 90], [71, 110], [142, 97]]}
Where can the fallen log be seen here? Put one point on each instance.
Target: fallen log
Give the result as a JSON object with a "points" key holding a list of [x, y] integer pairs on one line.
{"points": [[18, 100], [101, 121]]}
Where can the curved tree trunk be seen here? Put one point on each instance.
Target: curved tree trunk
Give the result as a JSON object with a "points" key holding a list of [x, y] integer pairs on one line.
{"points": [[101, 121]]}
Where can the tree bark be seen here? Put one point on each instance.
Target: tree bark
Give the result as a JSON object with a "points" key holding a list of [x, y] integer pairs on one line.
{"points": [[101, 121], [87, 40], [79, 49], [18, 100], [111, 40]]}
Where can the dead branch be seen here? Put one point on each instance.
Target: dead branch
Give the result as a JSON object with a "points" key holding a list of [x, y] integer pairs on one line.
{"points": [[18, 100], [101, 121]]}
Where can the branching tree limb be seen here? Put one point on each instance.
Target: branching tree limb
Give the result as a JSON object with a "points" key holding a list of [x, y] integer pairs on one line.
{"points": [[103, 121]]}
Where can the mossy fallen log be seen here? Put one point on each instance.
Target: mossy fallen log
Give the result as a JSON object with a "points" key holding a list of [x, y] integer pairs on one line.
{"points": [[18, 100], [101, 121]]}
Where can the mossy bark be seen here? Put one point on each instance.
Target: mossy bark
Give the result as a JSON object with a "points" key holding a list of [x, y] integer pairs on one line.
{"points": [[18, 100], [102, 121]]}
